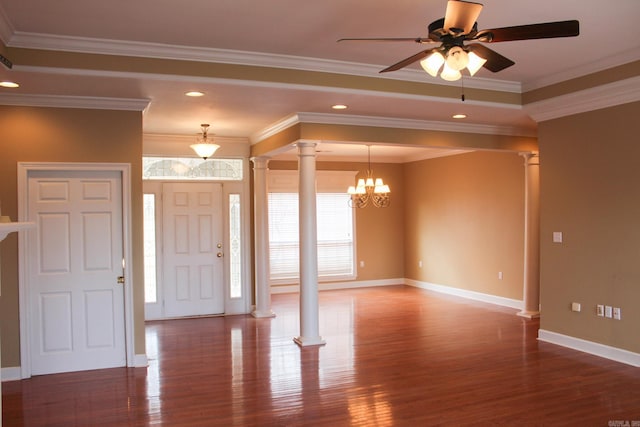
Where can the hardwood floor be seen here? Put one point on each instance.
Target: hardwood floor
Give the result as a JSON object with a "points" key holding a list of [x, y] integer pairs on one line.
{"points": [[394, 356]]}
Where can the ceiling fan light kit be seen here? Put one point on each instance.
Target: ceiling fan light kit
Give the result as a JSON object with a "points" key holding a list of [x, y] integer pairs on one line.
{"points": [[459, 25]]}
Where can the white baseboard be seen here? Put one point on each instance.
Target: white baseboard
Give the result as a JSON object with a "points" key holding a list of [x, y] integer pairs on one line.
{"points": [[477, 296], [294, 288], [601, 350], [140, 361], [12, 373]]}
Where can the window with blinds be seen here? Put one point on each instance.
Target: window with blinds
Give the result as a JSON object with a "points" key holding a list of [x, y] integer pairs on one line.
{"points": [[335, 222]]}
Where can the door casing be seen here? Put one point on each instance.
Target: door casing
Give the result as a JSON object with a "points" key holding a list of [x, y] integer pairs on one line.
{"points": [[24, 170]]}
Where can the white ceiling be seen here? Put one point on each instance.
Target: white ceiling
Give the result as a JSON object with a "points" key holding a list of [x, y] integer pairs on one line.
{"points": [[302, 35]]}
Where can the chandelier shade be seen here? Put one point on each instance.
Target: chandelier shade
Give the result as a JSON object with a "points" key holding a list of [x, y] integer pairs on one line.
{"points": [[369, 190], [204, 146]]}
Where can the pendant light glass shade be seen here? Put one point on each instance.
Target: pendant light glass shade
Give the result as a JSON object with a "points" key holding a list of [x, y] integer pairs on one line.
{"points": [[204, 147]]}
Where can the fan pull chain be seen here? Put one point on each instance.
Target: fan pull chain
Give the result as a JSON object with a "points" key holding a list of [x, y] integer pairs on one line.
{"points": [[462, 87]]}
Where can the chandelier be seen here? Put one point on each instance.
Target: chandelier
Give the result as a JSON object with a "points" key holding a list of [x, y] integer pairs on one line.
{"points": [[369, 190], [454, 60], [204, 147]]}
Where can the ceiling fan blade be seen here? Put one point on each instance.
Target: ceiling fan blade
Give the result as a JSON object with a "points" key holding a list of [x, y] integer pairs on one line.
{"points": [[495, 61], [408, 61], [547, 30], [460, 16], [390, 39]]}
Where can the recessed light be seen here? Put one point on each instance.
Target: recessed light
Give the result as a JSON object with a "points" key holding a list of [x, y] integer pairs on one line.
{"points": [[459, 116], [9, 84], [194, 93], [339, 107]]}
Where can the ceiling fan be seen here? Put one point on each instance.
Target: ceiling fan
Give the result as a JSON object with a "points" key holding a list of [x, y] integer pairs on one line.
{"points": [[458, 26]]}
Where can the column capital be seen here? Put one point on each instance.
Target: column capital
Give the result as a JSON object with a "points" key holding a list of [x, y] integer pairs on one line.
{"points": [[306, 148], [531, 158], [260, 162]]}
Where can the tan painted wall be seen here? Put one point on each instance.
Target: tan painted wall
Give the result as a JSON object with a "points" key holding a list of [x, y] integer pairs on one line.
{"points": [[379, 232], [465, 221], [590, 191], [64, 135]]}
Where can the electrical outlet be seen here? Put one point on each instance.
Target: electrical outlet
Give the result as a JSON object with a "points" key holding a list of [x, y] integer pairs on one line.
{"points": [[361, 264], [608, 311], [420, 263], [500, 275], [600, 310], [617, 313], [575, 306]]}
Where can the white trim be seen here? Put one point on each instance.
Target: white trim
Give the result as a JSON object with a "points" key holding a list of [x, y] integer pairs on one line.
{"points": [[389, 122], [226, 56], [622, 58], [6, 28], [275, 128], [140, 361], [11, 373], [328, 286], [63, 101], [600, 350], [23, 174], [608, 95], [477, 296]]}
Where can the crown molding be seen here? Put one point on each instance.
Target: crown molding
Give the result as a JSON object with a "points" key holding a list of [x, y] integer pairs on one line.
{"points": [[94, 103], [385, 122], [612, 61], [608, 95], [201, 54], [6, 29]]}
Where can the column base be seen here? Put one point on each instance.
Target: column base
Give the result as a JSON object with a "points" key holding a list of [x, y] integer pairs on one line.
{"points": [[306, 342], [529, 314], [260, 314]]}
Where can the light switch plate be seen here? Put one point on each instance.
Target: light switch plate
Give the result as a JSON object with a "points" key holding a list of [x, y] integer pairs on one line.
{"points": [[557, 237], [617, 313], [608, 311]]}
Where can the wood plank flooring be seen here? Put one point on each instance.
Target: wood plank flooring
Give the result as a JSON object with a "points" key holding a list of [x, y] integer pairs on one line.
{"points": [[395, 356]]}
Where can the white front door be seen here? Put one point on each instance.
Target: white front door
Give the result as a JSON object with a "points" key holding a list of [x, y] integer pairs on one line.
{"points": [[76, 305], [192, 255]]}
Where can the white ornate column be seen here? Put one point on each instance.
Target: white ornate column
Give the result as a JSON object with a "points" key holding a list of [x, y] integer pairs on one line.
{"points": [[309, 308], [261, 226], [531, 291]]}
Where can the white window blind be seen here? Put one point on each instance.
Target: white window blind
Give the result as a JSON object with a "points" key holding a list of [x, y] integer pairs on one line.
{"points": [[335, 223]]}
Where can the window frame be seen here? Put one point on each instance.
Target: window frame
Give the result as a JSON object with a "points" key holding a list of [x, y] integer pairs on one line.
{"points": [[331, 182]]}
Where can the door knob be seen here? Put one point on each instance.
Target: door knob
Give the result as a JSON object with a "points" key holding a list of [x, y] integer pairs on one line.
{"points": [[121, 280], [219, 254]]}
